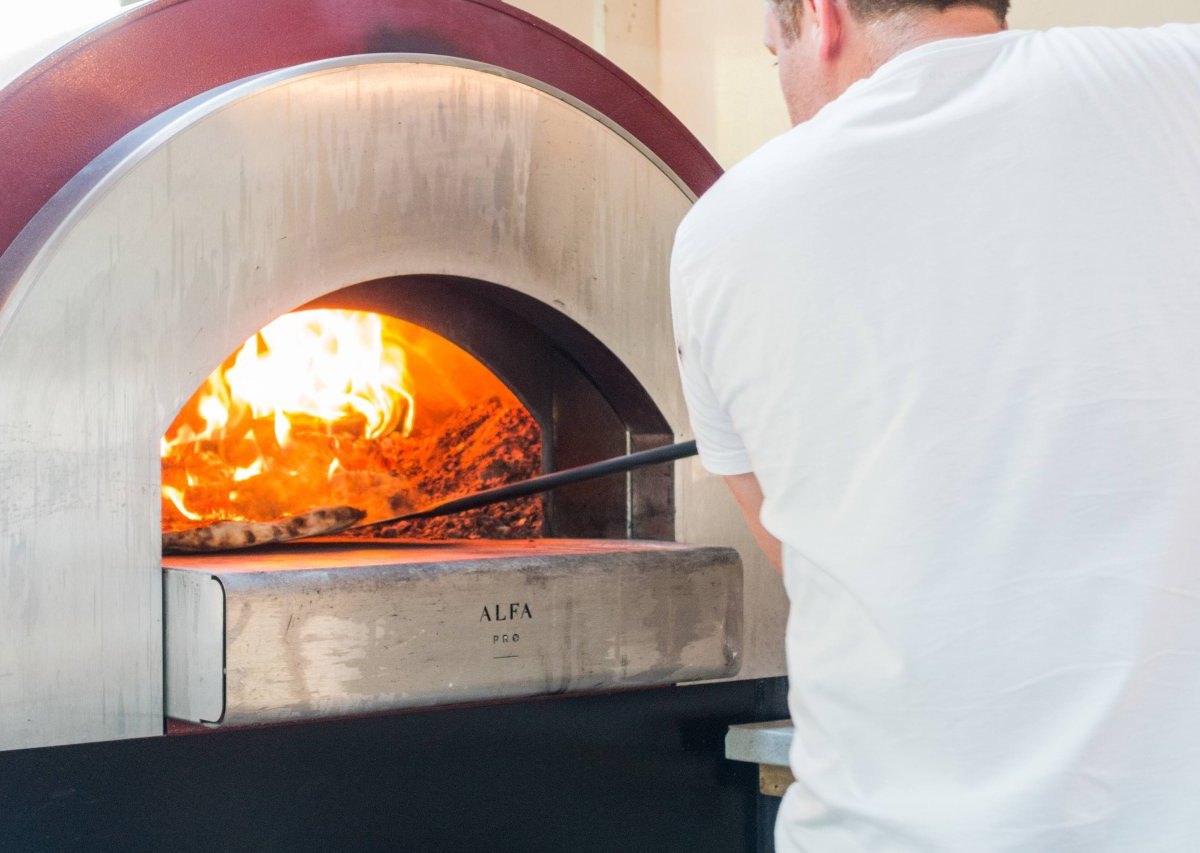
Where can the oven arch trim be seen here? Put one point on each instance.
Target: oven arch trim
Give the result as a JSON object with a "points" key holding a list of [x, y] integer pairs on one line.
{"points": [[65, 206], [202, 44]]}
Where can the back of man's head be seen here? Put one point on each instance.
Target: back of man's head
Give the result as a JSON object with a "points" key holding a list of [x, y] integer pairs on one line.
{"points": [[824, 46], [866, 10]]}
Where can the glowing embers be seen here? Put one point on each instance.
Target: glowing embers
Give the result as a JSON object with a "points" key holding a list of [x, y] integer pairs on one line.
{"points": [[331, 408]]}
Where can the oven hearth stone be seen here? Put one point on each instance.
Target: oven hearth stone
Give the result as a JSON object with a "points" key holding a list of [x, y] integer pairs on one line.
{"points": [[338, 628]]}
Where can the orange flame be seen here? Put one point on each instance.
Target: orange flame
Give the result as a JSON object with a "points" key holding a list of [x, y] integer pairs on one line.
{"points": [[319, 409], [276, 429]]}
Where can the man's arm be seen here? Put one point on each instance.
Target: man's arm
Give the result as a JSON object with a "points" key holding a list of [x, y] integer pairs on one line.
{"points": [[748, 493]]}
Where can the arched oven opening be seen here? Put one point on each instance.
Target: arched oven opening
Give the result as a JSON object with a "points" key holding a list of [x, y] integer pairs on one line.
{"points": [[396, 394], [386, 397]]}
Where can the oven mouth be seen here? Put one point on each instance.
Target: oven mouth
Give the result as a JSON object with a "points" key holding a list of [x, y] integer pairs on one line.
{"points": [[354, 414], [563, 602], [400, 393]]}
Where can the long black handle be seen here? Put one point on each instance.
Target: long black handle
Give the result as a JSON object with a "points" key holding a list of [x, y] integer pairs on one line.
{"points": [[546, 482]]}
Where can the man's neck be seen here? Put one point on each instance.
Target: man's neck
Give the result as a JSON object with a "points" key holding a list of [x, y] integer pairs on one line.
{"points": [[888, 37]]}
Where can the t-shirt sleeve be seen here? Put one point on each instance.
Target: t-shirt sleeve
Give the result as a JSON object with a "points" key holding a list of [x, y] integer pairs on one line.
{"points": [[721, 449]]}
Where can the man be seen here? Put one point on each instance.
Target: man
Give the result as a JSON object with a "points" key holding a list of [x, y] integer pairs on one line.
{"points": [[943, 340]]}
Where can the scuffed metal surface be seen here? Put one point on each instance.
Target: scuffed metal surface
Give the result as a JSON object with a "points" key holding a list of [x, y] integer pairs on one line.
{"points": [[67, 109], [338, 629]]}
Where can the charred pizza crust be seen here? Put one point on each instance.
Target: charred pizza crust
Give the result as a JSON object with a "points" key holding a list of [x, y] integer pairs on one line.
{"points": [[231, 535]]}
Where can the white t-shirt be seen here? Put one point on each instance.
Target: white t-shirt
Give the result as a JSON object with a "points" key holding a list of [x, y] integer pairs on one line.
{"points": [[953, 325]]}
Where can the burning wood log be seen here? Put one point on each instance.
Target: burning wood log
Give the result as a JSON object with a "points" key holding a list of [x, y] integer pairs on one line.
{"points": [[483, 446], [240, 535]]}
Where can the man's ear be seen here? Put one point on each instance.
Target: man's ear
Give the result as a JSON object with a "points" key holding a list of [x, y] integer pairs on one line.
{"points": [[828, 17]]}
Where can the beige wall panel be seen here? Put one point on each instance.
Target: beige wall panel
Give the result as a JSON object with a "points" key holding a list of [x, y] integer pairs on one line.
{"points": [[1039, 14], [703, 58], [578, 17], [631, 39], [717, 76], [626, 31]]}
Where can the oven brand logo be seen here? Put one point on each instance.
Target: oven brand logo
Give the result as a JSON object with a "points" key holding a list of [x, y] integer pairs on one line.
{"points": [[510, 612]]}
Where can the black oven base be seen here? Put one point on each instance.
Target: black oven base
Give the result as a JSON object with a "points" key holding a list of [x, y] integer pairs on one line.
{"points": [[640, 770]]}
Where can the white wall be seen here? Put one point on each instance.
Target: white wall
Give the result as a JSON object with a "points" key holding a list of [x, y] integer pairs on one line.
{"points": [[29, 32]]}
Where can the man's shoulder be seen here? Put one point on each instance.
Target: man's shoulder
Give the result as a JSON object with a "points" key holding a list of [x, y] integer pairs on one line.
{"points": [[773, 178]]}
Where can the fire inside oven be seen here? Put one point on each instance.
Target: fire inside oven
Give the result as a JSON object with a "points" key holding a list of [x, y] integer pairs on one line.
{"points": [[391, 395], [327, 408], [355, 406]]}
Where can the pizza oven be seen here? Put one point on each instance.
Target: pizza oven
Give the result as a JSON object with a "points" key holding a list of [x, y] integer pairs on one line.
{"points": [[580, 589], [495, 198]]}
